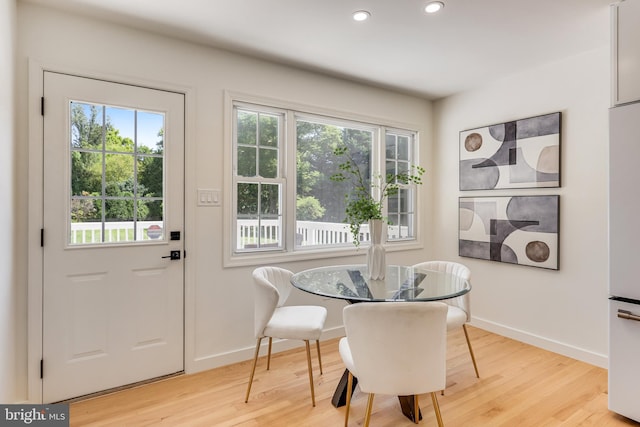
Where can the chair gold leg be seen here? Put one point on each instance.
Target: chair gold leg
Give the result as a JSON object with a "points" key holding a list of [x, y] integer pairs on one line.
{"points": [[319, 358], [313, 396], [253, 370], [416, 409], [436, 408], [473, 358], [348, 405], [367, 416], [269, 354]]}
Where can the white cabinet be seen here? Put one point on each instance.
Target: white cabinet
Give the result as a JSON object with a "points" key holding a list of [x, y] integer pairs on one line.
{"points": [[624, 353], [624, 200], [626, 51], [624, 238]]}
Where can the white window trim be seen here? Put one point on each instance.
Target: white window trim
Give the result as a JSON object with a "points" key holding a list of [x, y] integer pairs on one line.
{"points": [[294, 110], [281, 179], [414, 155]]}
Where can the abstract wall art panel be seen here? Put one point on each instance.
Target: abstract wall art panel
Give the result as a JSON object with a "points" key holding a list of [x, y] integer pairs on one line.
{"points": [[518, 229], [519, 154]]}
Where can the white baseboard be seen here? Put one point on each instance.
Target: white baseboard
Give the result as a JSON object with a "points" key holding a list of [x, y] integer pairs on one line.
{"points": [[223, 359], [600, 360]]}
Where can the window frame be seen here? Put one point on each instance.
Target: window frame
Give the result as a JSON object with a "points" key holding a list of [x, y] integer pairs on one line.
{"points": [[279, 180], [287, 160], [375, 163], [136, 155], [413, 154]]}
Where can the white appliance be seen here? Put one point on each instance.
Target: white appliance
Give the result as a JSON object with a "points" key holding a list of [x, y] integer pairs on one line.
{"points": [[624, 260]]}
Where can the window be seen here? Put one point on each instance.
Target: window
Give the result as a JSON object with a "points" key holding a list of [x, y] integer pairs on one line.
{"points": [[117, 163], [258, 179], [268, 188], [320, 202], [399, 153]]}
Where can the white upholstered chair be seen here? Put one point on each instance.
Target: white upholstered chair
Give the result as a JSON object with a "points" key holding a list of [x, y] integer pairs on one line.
{"points": [[460, 307], [396, 348], [274, 320]]}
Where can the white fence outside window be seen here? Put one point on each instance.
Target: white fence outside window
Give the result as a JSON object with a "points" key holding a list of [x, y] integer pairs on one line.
{"points": [[308, 233], [85, 233]]}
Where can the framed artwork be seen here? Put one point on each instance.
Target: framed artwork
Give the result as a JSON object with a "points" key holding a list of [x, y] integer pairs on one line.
{"points": [[519, 154], [513, 229]]}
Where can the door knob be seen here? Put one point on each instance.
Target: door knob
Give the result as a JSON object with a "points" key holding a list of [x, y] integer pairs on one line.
{"points": [[174, 255]]}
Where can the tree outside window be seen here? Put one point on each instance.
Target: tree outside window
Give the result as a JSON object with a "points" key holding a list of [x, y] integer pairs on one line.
{"points": [[263, 184]]}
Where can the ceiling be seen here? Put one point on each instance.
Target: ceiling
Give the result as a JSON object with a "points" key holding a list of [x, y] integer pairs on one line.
{"points": [[466, 44]]}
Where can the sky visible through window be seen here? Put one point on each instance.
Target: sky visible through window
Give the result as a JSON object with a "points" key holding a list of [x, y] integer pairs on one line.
{"points": [[149, 124]]}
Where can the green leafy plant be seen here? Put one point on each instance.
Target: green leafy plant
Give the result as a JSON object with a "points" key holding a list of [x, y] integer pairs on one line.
{"points": [[361, 204]]}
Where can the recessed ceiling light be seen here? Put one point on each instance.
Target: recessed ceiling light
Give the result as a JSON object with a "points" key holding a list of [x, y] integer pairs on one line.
{"points": [[361, 15], [433, 7]]}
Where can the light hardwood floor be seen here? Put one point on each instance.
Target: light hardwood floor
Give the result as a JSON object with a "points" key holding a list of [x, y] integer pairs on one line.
{"points": [[520, 385]]}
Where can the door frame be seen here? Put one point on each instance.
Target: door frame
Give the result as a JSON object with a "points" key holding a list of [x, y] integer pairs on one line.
{"points": [[35, 211]]}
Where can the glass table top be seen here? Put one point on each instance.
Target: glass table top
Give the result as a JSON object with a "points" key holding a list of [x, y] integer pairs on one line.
{"points": [[350, 282]]}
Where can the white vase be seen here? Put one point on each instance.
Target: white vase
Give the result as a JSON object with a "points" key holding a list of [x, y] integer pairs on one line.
{"points": [[376, 262]]}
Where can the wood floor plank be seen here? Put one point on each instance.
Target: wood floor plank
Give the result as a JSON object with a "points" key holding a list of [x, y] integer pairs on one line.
{"points": [[519, 385]]}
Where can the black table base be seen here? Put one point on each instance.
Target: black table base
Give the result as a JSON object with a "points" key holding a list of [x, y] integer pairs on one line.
{"points": [[340, 397]]}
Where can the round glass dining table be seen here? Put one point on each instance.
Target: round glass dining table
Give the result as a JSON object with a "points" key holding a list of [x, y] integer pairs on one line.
{"points": [[401, 283]]}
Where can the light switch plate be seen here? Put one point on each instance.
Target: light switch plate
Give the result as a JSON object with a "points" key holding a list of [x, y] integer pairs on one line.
{"points": [[209, 197]]}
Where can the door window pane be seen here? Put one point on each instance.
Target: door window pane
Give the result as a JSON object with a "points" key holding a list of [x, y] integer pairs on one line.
{"points": [[87, 128], [86, 209], [120, 131], [86, 173], [150, 132], [119, 210], [150, 176], [150, 210], [117, 174]]}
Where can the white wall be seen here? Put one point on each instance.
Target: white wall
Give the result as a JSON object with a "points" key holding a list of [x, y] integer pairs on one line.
{"points": [[565, 310], [219, 300], [12, 289]]}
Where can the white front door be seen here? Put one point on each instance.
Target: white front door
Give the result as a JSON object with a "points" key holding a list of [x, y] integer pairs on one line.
{"points": [[113, 309]]}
